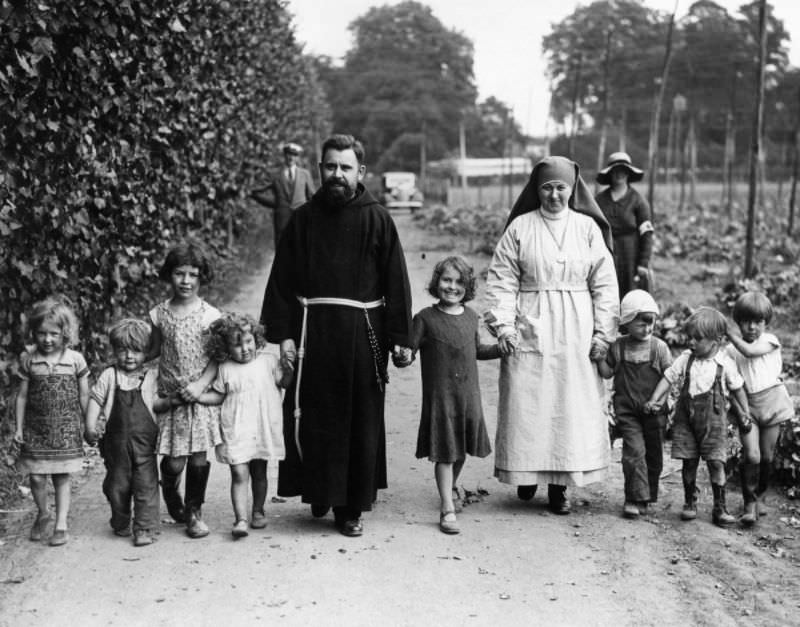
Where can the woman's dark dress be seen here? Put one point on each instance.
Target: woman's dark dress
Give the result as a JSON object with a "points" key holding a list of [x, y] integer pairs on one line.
{"points": [[452, 422]]}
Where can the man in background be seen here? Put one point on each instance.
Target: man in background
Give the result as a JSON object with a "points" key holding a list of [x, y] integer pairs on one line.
{"points": [[287, 188]]}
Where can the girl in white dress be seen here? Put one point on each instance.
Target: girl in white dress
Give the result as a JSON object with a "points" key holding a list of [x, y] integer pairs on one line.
{"points": [[248, 388]]}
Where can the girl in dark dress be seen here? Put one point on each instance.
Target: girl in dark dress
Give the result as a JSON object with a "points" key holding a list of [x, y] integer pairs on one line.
{"points": [[452, 424]]}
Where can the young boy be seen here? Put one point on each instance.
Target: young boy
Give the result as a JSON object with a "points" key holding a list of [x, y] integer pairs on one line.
{"points": [[705, 375], [124, 394], [637, 361]]}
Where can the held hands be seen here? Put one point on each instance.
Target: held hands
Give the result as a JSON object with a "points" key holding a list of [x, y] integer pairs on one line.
{"points": [[191, 392], [745, 425], [598, 350], [402, 356], [508, 344], [651, 407], [91, 436]]}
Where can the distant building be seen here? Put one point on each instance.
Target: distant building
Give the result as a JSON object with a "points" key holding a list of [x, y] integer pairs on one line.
{"points": [[472, 168]]}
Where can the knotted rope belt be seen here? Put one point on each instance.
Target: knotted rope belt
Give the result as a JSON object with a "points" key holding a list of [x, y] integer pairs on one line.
{"points": [[377, 357]]}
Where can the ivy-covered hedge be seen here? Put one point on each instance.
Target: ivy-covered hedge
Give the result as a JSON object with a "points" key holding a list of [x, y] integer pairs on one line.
{"points": [[125, 125]]}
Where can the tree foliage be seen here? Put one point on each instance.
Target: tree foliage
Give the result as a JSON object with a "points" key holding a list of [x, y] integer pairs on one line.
{"points": [[126, 125], [405, 74], [628, 38]]}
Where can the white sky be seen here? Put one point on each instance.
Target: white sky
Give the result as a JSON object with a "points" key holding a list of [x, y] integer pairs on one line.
{"points": [[507, 36]]}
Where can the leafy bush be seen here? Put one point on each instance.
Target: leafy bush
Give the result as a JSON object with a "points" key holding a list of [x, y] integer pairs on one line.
{"points": [[126, 125]]}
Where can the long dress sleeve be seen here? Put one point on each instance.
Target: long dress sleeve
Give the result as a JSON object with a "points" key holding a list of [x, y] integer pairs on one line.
{"points": [[280, 293], [603, 287], [502, 284], [396, 288]]}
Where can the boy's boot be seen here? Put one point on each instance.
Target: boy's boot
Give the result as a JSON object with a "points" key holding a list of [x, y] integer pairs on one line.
{"points": [[170, 491], [720, 515], [689, 511], [196, 481], [749, 478], [764, 478]]}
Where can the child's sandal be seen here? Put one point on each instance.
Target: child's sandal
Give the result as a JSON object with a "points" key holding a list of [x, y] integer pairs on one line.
{"points": [[39, 527], [239, 529], [448, 523]]}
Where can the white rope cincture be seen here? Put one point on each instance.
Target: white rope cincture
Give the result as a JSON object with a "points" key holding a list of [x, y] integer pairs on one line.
{"points": [[301, 351]]}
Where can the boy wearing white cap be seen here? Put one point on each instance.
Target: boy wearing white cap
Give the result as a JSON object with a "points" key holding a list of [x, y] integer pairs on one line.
{"points": [[637, 361]]}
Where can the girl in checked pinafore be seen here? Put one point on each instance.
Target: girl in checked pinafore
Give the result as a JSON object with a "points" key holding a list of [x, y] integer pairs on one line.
{"points": [[187, 429], [52, 398]]}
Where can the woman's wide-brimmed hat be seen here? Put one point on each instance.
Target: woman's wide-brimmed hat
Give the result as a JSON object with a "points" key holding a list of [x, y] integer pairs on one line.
{"points": [[619, 160]]}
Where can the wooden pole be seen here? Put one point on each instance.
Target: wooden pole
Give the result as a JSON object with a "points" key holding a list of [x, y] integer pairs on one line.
{"points": [[758, 130], [795, 159], [652, 147], [574, 114]]}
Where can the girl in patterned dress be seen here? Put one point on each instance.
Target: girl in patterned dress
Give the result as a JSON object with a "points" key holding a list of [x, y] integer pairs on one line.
{"points": [[251, 424], [50, 404], [452, 423], [188, 428]]}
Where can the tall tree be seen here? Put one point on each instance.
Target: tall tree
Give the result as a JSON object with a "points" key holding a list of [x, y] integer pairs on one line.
{"points": [[405, 70]]}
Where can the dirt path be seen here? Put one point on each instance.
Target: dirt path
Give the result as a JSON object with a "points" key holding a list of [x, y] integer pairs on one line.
{"points": [[513, 564]]}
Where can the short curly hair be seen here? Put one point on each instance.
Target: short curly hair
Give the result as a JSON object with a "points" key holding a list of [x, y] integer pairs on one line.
{"points": [[465, 271], [56, 309], [228, 330], [189, 252], [753, 306], [706, 323]]}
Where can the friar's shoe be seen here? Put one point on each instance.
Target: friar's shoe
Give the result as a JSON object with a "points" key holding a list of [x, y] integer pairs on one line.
{"points": [[351, 528], [318, 511], [526, 492]]}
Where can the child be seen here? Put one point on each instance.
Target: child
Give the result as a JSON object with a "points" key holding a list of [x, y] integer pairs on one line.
{"points": [[637, 362], [452, 416], [758, 356], [705, 375], [52, 398], [251, 420], [187, 429], [124, 394]]}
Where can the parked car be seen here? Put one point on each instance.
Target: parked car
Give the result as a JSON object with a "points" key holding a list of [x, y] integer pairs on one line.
{"points": [[399, 191]]}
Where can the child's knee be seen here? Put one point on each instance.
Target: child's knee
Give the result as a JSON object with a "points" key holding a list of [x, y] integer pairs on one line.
{"points": [[38, 482]]}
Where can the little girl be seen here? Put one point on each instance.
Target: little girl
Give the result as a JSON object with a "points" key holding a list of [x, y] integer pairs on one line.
{"points": [[188, 428], [637, 361], [758, 356], [52, 399], [251, 417], [452, 424], [705, 375]]}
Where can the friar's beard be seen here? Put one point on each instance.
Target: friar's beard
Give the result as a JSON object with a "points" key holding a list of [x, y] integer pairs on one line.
{"points": [[338, 191]]}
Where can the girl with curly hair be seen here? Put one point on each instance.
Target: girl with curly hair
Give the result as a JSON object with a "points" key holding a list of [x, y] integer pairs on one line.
{"points": [[247, 386]]}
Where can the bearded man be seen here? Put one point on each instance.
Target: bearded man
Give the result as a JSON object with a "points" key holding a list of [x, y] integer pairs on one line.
{"points": [[338, 299]]}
